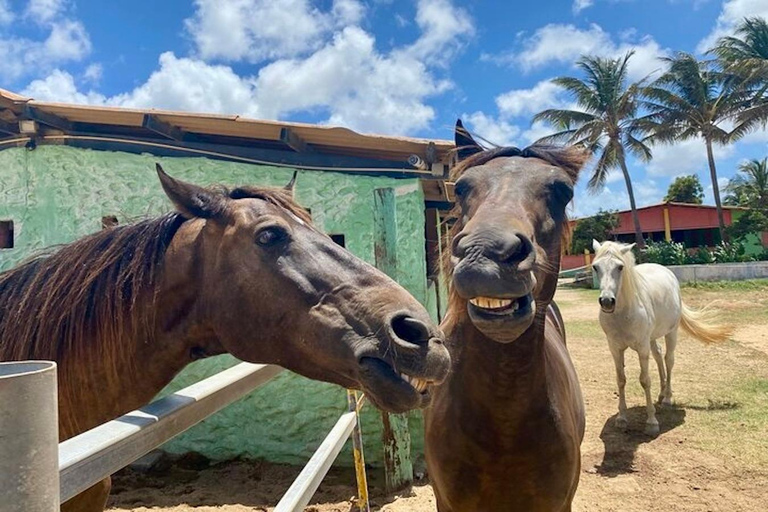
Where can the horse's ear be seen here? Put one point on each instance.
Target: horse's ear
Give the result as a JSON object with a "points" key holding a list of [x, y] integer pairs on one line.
{"points": [[627, 248], [291, 184], [190, 200], [465, 144], [595, 245]]}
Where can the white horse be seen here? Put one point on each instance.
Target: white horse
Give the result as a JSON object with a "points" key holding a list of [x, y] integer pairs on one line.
{"points": [[639, 304]]}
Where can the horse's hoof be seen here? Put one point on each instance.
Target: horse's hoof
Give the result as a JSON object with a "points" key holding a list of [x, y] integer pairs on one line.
{"points": [[667, 400], [652, 429], [661, 398], [620, 422]]}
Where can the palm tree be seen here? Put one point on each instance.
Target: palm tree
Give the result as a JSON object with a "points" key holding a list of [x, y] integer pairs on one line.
{"points": [[746, 56], [695, 100], [750, 186], [605, 123]]}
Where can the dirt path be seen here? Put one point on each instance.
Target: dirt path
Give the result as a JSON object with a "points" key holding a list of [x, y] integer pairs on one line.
{"points": [[712, 453]]}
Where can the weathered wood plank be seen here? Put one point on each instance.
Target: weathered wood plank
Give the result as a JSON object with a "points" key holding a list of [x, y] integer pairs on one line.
{"points": [[396, 438]]}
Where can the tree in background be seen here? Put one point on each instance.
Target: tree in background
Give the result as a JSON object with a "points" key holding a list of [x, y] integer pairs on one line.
{"points": [[605, 123], [745, 55], [750, 186], [686, 189], [598, 227], [694, 100]]}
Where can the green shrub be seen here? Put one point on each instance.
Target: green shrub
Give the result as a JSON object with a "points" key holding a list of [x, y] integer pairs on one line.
{"points": [[700, 256], [665, 253], [731, 253]]}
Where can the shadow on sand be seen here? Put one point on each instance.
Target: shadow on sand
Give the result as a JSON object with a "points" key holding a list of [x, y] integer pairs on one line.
{"points": [[621, 444]]}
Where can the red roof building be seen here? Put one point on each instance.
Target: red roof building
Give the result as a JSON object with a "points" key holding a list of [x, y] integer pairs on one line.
{"points": [[694, 225]]}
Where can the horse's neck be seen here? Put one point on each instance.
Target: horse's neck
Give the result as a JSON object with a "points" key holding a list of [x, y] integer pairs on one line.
{"points": [[150, 363], [513, 373], [631, 298]]}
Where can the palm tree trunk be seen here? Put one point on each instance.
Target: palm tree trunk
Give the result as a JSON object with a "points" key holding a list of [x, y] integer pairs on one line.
{"points": [[716, 189], [635, 218]]}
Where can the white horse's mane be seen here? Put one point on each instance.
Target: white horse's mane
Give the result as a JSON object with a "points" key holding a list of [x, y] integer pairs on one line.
{"points": [[630, 279]]}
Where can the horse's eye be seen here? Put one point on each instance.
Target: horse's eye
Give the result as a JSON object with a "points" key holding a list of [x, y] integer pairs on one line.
{"points": [[461, 189], [271, 235], [562, 192], [620, 267]]}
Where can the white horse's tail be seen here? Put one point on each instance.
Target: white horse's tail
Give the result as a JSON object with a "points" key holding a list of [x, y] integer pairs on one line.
{"points": [[703, 325]]}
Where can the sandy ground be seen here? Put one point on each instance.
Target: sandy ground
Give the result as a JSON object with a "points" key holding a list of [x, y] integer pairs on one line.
{"points": [[711, 455]]}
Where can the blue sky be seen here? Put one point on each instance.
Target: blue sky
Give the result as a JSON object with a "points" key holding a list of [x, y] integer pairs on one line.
{"points": [[405, 67]]}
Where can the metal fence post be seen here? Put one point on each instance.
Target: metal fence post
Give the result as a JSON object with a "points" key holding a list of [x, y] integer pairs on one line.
{"points": [[29, 437]]}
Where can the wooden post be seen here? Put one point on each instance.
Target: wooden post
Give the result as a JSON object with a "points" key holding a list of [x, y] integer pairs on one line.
{"points": [[667, 227], [396, 438]]}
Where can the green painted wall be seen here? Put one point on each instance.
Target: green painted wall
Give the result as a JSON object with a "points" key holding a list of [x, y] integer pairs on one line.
{"points": [[753, 244], [57, 194]]}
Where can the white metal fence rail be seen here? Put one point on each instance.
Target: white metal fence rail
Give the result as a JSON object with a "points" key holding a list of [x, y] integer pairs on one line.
{"points": [[90, 457], [86, 459]]}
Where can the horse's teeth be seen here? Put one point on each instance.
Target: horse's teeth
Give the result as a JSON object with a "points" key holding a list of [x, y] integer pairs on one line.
{"points": [[490, 303]]}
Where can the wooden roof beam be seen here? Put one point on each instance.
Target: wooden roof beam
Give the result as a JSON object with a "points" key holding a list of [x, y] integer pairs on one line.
{"points": [[153, 123], [294, 141], [48, 119], [9, 128]]}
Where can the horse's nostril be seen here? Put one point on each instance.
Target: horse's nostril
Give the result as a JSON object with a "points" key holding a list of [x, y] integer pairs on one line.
{"points": [[410, 329], [516, 249]]}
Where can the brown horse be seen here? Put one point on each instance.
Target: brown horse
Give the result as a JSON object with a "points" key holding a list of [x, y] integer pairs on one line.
{"points": [[243, 271], [504, 430]]}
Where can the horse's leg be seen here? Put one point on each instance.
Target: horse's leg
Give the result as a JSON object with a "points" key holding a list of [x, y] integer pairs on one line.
{"points": [[660, 364], [669, 358], [93, 499], [621, 381], [651, 423]]}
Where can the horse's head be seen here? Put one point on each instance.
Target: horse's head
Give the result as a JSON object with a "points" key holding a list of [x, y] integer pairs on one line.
{"points": [[610, 266], [254, 278], [506, 248]]}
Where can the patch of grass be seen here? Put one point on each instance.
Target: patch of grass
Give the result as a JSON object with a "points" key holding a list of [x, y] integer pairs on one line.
{"points": [[736, 423], [584, 329], [748, 285]]}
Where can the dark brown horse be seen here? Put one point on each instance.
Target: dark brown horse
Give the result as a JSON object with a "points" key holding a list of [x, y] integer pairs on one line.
{"points": [[243, 271], [504, 430]]}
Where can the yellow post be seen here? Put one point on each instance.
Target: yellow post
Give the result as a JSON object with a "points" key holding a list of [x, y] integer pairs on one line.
{"points": [[587, 257], [667, 227], [357, 449]]}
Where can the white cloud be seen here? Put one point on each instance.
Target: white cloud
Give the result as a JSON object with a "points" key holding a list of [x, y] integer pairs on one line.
{"points": [[192, 85], [93, 73], [580, 5], [732, 13], [546, 46], [6, 14], [45, 11], [361, 87], [67, 41], [444, 29], [518, 102], [344, 76], [60, 86], [585, 203], [348, 78], [257, 30], [493, 130], [685, 157]]}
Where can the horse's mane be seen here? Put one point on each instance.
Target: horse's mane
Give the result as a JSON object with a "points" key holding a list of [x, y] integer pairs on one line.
{"points": [[84, 303], [630, 279], [570, 158]]}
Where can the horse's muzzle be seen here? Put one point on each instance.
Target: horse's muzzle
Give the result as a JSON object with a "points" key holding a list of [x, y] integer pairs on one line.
{"points": [[607, 304]]}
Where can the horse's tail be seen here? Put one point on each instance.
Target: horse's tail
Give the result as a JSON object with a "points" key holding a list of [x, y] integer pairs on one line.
{"points": [[704, 325]]}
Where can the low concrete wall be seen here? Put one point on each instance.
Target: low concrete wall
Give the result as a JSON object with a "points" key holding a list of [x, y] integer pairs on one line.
{"points": [[721, 271]]}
